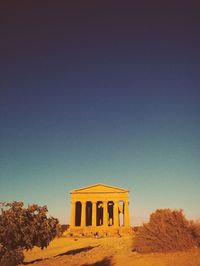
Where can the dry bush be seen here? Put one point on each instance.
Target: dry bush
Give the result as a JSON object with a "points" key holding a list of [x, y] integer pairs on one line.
{"points": [[136, 228], [63, 228], [195, 231], [167, 230]]}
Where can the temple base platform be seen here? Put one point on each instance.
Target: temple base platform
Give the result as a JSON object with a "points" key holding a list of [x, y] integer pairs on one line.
{"points": [[98, 231]]}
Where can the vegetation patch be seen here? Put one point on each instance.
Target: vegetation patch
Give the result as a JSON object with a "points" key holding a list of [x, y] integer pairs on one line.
{"points": [[167, 230], [23, 228]]}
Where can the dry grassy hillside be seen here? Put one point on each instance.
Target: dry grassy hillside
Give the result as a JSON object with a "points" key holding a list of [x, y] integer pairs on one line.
{"points": [[105, 252]]}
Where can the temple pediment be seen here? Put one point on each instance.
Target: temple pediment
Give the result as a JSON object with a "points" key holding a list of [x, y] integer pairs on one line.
{"points": [[99, 188]]}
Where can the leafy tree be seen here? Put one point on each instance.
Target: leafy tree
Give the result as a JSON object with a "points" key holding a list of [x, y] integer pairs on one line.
{"points": [[167, 230], [23, 228]]}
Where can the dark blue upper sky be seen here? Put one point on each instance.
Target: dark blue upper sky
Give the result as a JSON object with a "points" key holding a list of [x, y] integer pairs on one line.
{"points": [[96, 92]]}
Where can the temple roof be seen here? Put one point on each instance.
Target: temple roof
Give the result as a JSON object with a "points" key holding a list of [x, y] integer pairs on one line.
{"points": [[99, 188]]}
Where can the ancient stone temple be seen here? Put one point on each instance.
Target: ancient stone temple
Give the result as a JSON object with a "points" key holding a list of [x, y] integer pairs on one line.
{"points": [[99, 210]]}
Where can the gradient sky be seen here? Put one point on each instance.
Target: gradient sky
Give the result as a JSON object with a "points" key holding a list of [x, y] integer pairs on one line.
{"points": [[92, 92]]}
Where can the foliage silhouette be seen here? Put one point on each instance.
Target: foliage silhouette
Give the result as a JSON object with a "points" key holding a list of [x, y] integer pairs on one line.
{"points": [[23, 228]]}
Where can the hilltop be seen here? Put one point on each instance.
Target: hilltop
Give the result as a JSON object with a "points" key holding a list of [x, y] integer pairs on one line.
{"points": [[105, 251]]}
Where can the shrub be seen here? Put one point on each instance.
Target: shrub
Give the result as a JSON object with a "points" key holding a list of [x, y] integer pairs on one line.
{"points": [[63, 228], [167, 230], [23, 228], [195, 231]]}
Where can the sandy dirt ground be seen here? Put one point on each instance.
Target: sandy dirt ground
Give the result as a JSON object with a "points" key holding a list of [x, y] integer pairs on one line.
{"points": [[105, 252]]}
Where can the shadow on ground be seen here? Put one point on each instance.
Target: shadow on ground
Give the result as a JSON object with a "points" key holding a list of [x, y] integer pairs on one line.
{"points": [[105, 262], [75, 251], [33, 261], [67, 253]]}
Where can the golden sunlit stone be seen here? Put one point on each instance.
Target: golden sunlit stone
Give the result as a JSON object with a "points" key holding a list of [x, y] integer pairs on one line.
{"points": [[99, 210]]}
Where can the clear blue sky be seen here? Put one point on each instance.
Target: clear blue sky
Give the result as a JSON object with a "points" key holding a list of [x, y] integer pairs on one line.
{"points": [[94, 93]]}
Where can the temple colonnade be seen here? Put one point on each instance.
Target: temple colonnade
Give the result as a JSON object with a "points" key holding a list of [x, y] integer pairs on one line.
{"points": [[99, 207], [100, 213]]}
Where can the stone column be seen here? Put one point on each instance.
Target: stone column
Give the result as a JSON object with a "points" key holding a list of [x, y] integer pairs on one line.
{"points": [[105, 213], [116, 214], [83, 214], [72, 214], [94, 213], [126, 214]]}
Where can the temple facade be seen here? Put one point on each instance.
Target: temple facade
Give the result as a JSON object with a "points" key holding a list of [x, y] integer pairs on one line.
{"points": [[99, 209]]}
